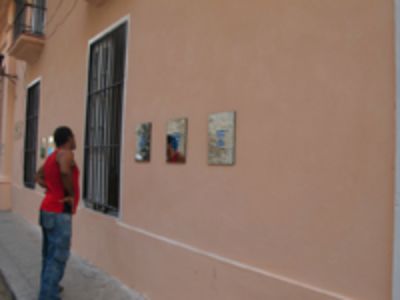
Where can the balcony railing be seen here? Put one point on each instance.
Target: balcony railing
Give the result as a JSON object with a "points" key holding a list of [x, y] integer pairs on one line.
{"points": [[29, 18], [28, 34]]}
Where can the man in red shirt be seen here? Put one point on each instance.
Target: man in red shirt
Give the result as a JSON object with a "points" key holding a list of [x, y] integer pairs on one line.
{"points": [[60, 177]]}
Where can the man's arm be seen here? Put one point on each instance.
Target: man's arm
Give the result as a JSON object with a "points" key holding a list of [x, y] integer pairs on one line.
{"points": [[39, 177], [66, 160]]}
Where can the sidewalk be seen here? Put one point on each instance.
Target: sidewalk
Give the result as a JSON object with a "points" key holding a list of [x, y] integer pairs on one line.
{"points": [[20, 262], [5, 292]]}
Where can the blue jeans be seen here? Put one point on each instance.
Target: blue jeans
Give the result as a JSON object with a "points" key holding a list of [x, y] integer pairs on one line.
{"points": [[57, 231]]}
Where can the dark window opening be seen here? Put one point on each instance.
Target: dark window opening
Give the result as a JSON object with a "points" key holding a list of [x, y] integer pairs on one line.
{"points": [[104, 122], [31, 135]]}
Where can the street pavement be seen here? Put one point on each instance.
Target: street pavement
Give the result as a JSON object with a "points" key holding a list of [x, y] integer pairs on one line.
{"points": [[20, 263], [5, 292]]}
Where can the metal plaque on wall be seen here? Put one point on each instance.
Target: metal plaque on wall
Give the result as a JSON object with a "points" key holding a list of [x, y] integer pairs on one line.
{"points": [[221, 138], [176, 140], [143, 142]]}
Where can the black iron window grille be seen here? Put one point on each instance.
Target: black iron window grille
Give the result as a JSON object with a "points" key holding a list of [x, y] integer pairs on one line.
{"points": [[31, 131], [29, 17], [104, 122]]}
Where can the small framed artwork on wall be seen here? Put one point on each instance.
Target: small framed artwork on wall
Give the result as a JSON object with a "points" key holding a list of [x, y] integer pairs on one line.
{"points": [[143, 142], [176, 140], [51, 147], [43, 147], [221, 138]]}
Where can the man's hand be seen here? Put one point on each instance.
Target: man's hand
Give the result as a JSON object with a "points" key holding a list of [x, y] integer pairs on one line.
{"points": [[68, 200]]}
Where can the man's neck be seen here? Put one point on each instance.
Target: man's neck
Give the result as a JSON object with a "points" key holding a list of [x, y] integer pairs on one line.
{"points": [[65, 148]]}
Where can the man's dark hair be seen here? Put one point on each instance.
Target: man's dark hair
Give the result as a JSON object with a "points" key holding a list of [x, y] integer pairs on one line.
{"points": [[62, 135]]}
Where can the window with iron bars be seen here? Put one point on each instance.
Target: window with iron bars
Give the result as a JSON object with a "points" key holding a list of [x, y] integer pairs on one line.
{"points": [[29, 17], [31, 131], [104, 122]]}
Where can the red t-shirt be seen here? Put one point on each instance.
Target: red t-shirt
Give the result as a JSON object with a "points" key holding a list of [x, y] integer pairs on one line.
{"points": [[55, 189]]}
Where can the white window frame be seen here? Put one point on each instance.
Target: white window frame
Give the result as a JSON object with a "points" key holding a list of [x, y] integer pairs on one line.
{"points": [[127, 20]]}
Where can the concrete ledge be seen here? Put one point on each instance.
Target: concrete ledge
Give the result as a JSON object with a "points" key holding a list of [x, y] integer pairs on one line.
{"points": [[27, 47]]}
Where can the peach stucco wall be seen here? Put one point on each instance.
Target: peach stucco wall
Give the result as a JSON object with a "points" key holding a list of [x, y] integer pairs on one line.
{"points": [[306, 212]]}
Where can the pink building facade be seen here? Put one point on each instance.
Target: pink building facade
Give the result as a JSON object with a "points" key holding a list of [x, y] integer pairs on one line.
{"points": [[307, 211]]}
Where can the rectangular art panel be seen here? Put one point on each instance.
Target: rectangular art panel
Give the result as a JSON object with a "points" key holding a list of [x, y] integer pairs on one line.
{"points": [[221, 138], [51, 147], [143, 142], [176, 140], [43, 147]]}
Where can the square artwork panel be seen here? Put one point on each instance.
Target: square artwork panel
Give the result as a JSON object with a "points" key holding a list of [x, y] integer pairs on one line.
{"points": [[221, 138], [143, 142], [176, 140]]}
